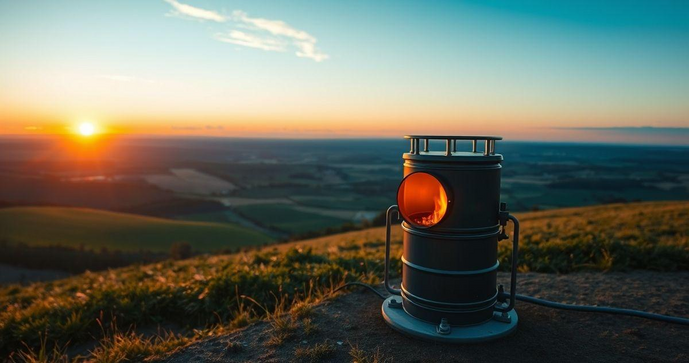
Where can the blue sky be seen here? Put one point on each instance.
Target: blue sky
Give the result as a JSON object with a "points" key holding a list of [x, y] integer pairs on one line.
{"points": [[344, 68]]}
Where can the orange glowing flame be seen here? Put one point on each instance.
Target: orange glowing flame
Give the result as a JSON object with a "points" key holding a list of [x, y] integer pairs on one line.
{"points": [[439, 209], [422, 200]]}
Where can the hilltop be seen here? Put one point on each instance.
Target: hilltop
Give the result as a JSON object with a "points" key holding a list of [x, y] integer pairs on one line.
{"points": [[151, 310]]}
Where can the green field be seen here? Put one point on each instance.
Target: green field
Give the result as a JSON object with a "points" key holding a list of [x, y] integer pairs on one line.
{"points": [[95, 229], [286, 218]]}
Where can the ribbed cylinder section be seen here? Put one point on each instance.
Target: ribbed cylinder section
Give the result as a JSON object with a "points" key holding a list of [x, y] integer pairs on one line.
{"points": [[449, 270]]}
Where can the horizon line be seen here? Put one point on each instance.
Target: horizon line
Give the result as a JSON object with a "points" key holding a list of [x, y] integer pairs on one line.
{"points": [[354, 138]]}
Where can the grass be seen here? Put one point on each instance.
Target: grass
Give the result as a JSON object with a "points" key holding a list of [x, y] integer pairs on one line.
{"points": [[301, 310], [210, 295], [42, 354], [361, 356], [132, 347], [652, 236], [308, 326], [315, 353], [283, 328], [286, 218], [95, 229]]}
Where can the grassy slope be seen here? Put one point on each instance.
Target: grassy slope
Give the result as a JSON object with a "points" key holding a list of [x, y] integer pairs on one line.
{"points": [[649, 235], [127, 232], [208, 292]]}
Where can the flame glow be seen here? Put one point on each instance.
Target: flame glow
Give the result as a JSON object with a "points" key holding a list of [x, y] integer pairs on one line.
{"points": [[422, 199], [440, 207]]}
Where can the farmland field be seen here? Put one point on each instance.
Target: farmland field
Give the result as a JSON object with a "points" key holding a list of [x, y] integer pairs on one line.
{"points": [[289, 219], [93, 229], [285, 188], [190, 181]]}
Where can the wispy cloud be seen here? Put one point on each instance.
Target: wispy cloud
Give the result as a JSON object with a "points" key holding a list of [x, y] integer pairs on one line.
{"points": [[188, 11], [259, 33], [308, 50], [280, 32], [251, 40], [275, 27]]}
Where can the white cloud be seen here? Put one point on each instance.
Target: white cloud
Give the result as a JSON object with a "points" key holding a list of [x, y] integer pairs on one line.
{"points": [[304, 42], [259, 33], [250, 40], [308, 50], [184, 10], [275, 27]]}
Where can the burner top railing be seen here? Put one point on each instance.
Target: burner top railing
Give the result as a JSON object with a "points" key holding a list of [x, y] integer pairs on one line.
{"points": [[451, 143]]}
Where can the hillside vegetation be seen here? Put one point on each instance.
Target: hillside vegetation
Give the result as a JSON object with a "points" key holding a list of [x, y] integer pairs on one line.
{"points": [[96, 229], [214, 294]]}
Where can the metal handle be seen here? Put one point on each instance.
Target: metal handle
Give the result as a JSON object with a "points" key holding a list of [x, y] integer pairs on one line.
{"points": [[388, 223], [515, 256]]}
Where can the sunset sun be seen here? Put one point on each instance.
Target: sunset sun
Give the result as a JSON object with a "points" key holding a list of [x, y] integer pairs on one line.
{"points": [[86, 129]]}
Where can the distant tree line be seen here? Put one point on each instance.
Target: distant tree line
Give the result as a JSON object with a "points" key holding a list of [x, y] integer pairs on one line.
{"points": [[180, 251], [69, 259]]}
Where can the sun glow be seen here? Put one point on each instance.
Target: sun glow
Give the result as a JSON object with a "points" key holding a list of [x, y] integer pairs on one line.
{"points": [[87, 129]]}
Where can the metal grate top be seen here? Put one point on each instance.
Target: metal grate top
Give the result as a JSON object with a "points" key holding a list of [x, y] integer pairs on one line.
{"points": [[451, 143]]}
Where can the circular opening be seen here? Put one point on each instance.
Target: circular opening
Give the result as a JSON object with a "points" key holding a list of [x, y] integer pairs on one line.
{"points": [[422, 200]]}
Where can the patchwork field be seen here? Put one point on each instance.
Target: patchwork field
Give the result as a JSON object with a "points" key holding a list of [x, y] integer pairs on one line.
{"points": [[327, 182], [96, 229], [289, 218], [190, 181]]}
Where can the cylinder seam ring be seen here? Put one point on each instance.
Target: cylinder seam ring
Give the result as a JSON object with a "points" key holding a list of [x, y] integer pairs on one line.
{"points": [[451, 272]]}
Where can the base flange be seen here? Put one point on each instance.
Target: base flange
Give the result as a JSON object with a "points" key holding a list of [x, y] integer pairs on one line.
{"points": [[399, 320]]}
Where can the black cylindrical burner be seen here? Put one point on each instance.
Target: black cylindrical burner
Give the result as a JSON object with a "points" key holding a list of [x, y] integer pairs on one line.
{"points": [[449, 201]]}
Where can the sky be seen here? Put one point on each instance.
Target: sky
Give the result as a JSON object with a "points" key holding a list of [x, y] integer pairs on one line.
{"points": [[531, 70]]}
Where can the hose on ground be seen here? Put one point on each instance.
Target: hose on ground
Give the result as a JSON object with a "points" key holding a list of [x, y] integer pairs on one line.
{"points": [[603, 309], [561, 306], [356, 283]]}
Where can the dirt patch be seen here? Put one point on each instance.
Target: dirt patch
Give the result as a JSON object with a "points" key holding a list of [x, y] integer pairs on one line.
{"points": [[543, 334]]}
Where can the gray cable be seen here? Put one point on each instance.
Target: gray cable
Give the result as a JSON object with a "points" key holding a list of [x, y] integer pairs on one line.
{"points": [[557, 305], [603, 309], [356, 283]]}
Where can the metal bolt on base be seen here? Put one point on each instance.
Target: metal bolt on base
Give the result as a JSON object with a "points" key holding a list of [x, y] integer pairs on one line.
{"points": [[444, 327], [503, 317]]}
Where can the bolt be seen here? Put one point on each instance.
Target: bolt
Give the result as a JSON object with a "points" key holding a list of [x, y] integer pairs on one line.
{"points": [[444, 328]]}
